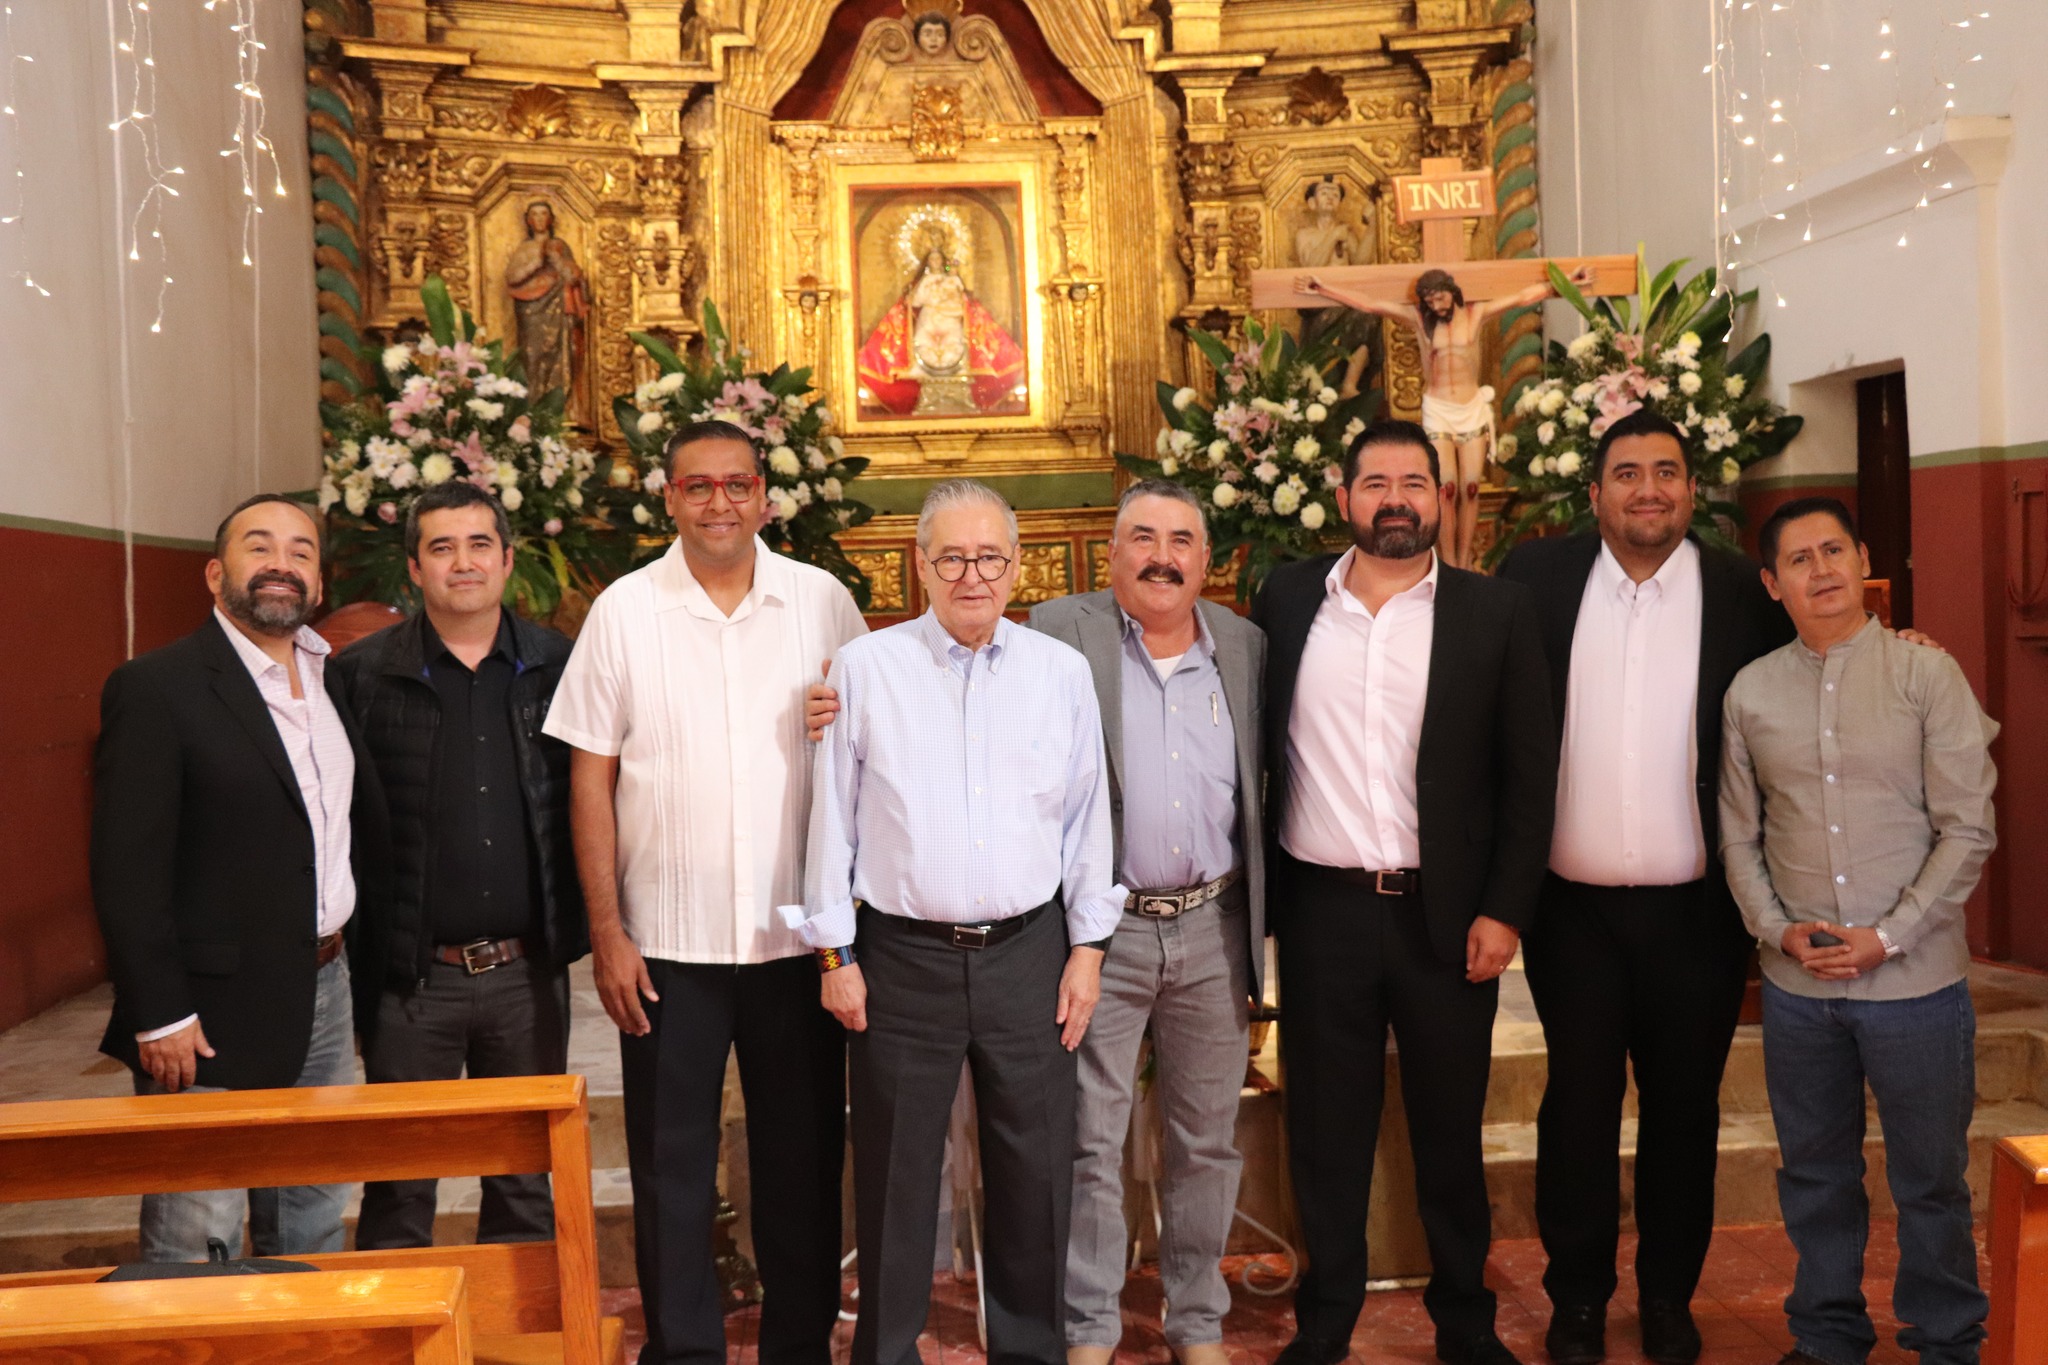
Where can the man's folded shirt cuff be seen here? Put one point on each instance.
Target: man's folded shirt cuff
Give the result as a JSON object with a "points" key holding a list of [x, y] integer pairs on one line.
{"points": [[167, 1030]]}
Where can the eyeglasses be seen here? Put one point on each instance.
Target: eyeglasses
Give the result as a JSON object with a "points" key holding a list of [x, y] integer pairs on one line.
{"points": [[953, 568], [738, 488]]}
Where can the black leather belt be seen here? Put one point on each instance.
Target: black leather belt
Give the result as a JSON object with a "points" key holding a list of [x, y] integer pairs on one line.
{"points": [[481, 955], [326, 948], [1398, 881], [971, 937]]}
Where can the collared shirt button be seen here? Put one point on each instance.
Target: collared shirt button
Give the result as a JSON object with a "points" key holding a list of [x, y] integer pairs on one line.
{"points": [[487, 843], [1828, 732], [1176, 805], [1834, 829], [485, 790], [1841, 879], [1175, 710], [977, 790], [1831, 777], [978, 900], [1176, 848], [1176, 755], [1831, 687], [977, 843]]}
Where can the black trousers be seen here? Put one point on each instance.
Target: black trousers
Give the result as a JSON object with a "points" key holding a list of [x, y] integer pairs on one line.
{"points": [[1642, 976], [932, 1006], [792, 1057], [1351, 964], [510, 1021]]}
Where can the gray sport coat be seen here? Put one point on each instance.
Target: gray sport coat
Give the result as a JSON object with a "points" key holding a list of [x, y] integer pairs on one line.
{"points": [[1092, 623]]}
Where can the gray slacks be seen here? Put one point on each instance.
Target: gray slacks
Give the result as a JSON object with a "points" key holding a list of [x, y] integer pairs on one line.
{"points": [[1188, 978], [931, 1006], [510, 1021]]}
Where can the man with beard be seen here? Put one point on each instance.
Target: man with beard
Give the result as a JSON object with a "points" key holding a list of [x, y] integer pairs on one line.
{"points": [[236, 841], [1637, 955], [486, 915], [1180, 683], [1414, 765], [1457, 411]]}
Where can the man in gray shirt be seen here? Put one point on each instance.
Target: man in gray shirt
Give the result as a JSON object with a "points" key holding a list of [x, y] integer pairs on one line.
{"points": [[1856, 815], [1181, 686]]}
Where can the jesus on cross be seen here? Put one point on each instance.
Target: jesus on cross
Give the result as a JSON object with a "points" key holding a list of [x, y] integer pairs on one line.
{"points": [[1457, 410]]}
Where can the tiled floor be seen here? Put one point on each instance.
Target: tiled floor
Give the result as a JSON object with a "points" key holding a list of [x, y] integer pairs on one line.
{"points": [[1739, 1309]]}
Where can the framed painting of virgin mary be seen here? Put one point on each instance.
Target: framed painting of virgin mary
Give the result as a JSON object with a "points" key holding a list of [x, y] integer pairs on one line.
{"points": [[944, 317]]}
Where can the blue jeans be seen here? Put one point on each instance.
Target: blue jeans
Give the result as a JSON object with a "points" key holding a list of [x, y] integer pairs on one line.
{"points": [[294, 1220], [1919, 1057]]}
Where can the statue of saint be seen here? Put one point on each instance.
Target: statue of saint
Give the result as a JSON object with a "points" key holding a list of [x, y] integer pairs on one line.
{"points": [[1457, 411], [1326, 239], [937, 331], [551, 303]]}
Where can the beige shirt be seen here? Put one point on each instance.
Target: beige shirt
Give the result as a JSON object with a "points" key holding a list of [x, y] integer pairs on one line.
{"points": [[1856, 788], [705, 713], [1356, 728]]}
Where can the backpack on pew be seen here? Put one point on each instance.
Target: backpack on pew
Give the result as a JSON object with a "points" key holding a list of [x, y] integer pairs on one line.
{"points": [[216, 1263]]}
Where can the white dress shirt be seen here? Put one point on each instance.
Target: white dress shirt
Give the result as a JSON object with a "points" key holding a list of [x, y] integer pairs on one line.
{"points": [[1627, 814], [323, 762], [961, 785], [705, 713], [1356, 727]]}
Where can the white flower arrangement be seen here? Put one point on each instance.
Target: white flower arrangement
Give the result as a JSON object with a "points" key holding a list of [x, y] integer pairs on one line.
{"points": [[453, 406]]}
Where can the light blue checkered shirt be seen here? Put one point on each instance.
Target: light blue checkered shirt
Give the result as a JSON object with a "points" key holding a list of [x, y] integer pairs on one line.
{"points": [[960, 786]]}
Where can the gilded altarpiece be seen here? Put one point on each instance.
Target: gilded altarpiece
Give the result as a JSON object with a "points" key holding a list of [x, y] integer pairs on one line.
{"points": [[1013, 209]]}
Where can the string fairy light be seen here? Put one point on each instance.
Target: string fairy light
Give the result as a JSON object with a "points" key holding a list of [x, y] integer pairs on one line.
{"points": [[251, 144], [139, 50], [15, 203]]}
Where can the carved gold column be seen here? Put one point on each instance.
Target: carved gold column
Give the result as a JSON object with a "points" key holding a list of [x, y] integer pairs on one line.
{"points": [[807, 299], [1076, 292], [1454, 61], [1213, 241]]}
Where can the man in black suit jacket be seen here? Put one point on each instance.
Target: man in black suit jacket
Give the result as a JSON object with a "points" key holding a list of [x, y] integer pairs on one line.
{"points": [[1412, 760], [235, 864], [1638, 954]]}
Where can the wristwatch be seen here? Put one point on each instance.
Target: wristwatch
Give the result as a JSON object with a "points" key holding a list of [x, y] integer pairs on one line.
{"points": [[1891, 949]]}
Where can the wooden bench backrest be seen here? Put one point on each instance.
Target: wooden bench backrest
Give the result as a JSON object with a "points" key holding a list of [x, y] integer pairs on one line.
{"points": [[2017, 1333], [75, 1149], [419, 1316]]}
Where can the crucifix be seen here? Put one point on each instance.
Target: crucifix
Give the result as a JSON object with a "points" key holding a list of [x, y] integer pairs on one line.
{"points": [[1446, 312]]}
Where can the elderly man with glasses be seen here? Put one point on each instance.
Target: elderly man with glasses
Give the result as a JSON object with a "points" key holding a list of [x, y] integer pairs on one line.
{"points": [[963, 799], [690, 795]]}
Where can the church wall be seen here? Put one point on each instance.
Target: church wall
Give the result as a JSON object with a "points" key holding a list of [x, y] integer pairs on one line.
{"points": [[1962, 308], [223, 403]]}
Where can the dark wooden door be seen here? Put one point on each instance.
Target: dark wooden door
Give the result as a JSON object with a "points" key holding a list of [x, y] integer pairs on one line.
{"points": [[1884, 487]]}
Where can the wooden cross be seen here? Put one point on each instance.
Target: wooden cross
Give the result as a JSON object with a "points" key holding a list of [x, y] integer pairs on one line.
{"points": [[1443, 198]]}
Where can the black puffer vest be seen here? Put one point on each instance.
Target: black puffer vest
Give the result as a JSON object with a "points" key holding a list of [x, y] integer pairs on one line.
{"points": [[391, 698]]}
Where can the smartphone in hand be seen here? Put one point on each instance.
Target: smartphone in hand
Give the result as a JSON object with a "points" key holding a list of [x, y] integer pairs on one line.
{"points": [[1821, 938]]}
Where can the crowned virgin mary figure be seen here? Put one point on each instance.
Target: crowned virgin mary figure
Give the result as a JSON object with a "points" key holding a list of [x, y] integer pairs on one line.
{"points": [[937, 336]]}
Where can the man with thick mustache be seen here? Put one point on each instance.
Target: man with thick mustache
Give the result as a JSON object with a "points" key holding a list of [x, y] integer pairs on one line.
{"points": [[237, 841], [1413, 761], [1637, 956], [1180, 683]]}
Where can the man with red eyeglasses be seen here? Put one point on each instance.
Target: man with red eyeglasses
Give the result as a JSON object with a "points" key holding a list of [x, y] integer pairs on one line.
{"points": [[690, 780]]}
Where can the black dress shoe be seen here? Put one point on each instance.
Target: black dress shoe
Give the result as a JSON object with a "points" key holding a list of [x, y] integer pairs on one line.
{"points": [[1669, 1336], [1309, 1351], [1578, 1334], [1484, 1350]]}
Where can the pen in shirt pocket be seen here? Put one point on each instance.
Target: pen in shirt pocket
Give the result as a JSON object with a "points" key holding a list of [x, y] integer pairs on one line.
{"points": [[1214, 718]]}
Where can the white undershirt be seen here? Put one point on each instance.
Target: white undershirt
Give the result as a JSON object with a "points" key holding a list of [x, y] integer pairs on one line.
{"points": [[1164, 667], [1627, 814], [1356, 726]]}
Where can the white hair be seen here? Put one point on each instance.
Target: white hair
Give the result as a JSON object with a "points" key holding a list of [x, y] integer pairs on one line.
{"points": [[950, 493]]}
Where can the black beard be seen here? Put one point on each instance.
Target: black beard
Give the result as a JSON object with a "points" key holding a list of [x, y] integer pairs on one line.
{"points": [[271, 615], [1395, 537]]}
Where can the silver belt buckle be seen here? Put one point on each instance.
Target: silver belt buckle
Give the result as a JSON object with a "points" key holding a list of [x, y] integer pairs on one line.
{"points": [[972, 937], [1161, 907], [1379, 881]]}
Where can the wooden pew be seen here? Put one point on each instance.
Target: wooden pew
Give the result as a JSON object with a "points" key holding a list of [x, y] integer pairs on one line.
{"points": [[528, 1301], [2018, 1329], [363, 1317]]}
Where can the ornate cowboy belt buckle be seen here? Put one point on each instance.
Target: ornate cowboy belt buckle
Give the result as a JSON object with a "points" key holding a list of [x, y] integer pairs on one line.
{"points": [[473, 960], [1160, 907], [972, 937]]}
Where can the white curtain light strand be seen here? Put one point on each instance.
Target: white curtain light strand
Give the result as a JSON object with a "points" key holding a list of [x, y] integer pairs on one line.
{"points": [[1757, 145], [137, 111], [122, 327], [14, 190], [250, 147]]}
